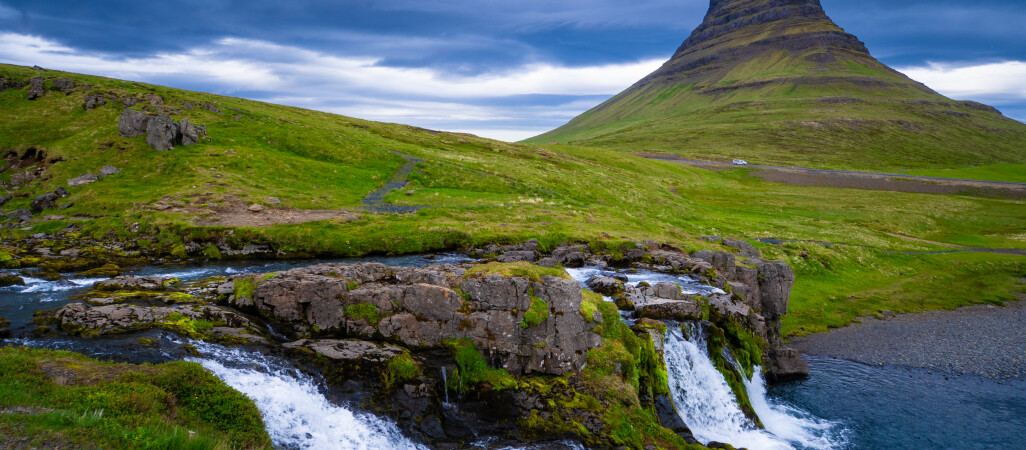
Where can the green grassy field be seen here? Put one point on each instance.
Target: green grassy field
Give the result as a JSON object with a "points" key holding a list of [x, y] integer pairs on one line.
{"points": [[482, 191]]}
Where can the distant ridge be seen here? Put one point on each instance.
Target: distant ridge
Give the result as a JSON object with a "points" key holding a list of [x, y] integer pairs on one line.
{"points": [[777, 81]]}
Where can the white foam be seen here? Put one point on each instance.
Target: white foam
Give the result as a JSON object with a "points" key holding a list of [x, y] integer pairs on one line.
{"points": [[296, 413], [707, 405], [59, 285], [791, 423], [704, 399]]}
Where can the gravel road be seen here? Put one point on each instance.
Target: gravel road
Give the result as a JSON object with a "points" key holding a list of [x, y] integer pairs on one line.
{"points": [[985, 340]]}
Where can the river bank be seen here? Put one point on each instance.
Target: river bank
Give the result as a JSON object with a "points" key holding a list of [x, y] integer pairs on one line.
{"points": [[984, 340]]}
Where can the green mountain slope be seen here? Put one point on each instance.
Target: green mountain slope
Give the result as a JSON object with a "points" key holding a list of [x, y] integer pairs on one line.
{"points": [[776, 81]]}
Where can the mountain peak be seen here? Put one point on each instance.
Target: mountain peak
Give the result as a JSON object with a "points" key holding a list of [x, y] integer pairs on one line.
{"points": [[767, 80]]}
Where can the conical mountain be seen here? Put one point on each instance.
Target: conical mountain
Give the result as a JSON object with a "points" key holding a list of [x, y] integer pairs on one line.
{"points": [[777, 81]]}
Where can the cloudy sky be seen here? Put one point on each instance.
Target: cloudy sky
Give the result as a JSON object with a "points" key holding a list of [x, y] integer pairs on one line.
{"points": [[506, 69]]}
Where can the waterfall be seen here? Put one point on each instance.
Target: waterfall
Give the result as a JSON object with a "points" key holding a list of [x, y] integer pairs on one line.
{"points": [[445, 385], [295, 412], [709, 408]]}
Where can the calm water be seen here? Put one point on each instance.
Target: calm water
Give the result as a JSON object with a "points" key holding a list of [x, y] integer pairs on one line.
{"points": [[891, 407]]}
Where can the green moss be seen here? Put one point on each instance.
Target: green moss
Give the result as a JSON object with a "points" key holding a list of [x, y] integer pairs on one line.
{"points": [[365, 311], [244, 288], [186, 326], [350, 285], [269, 276], [178, 251], [108, 270], [473, 372], [589, 304], [212, 252], [400, 369], [537, 313], [517, 269]]}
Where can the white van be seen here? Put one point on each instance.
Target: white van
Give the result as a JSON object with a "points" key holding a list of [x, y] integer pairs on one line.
{"points": [[740, 162]]}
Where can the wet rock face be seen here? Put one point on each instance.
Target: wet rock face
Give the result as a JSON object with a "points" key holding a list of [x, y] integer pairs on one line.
{"points": [[424, 307]]}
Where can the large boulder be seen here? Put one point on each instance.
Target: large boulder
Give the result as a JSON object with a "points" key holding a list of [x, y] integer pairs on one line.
{"points": [[134, 283], [785, 364], [36, 88], [65, 85], [108, 170], [162, 133], [48, 200], [10, 279], [190, 132], [80, 318], [133, 123]]}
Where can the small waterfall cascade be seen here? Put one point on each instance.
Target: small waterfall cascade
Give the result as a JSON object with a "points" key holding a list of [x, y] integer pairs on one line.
{"points": [[445, 385], [708, 406], [295, 411]]}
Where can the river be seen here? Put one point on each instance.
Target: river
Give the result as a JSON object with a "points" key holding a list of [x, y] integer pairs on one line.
{"points": [[842, 404]]}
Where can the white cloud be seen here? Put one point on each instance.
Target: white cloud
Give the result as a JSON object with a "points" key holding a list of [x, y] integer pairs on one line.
{"points": [[356, 86], [1001, 83]]}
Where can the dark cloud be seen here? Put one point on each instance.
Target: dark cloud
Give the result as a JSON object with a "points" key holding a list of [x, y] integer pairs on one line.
{"points": [[466, 38]]}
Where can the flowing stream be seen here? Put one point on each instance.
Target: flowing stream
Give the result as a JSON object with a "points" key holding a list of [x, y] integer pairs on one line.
{"points": [[878, 407]]}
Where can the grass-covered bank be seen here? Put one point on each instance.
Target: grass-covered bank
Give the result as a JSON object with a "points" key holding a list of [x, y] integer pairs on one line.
{"points": [[60, 399], [478, 191]]}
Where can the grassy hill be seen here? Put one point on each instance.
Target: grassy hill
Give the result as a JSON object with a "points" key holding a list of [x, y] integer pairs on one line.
{"points": [[777, 82], [475, 191]]}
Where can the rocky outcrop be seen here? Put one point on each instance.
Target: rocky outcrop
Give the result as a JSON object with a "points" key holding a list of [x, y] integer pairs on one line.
{"points": [[48, 200], [425, 307], [83, 180], [10, 279], [65, 85], [134, 283], [36, 88], [162, 132], [132, 123], [190, 133], [82, 319], [108, 170], [92, 101]]}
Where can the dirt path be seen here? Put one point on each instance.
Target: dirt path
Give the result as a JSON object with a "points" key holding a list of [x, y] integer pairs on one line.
{"points": [[876, 181], [375, 201], [233, 213]]}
